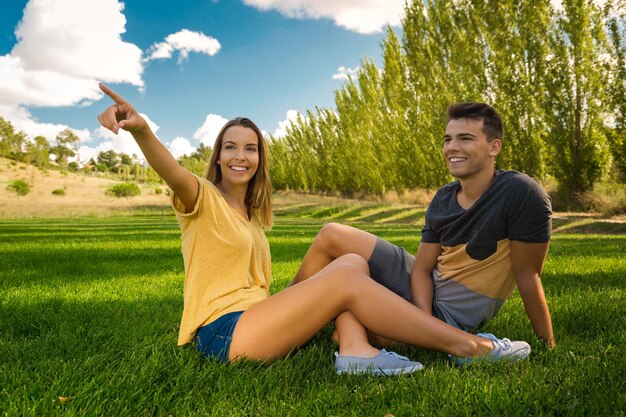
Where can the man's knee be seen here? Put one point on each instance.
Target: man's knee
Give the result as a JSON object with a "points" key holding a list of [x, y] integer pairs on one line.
{"points": [[330, 238], [336, 240]]}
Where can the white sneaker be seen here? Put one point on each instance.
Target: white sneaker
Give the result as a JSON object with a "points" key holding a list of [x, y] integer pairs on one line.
{"points": [[503, 350]]}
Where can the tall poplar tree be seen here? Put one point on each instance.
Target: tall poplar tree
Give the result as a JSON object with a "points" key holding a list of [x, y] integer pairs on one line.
{"points": [[617, 93], [576, 95], [404, 159], [516, 66]]}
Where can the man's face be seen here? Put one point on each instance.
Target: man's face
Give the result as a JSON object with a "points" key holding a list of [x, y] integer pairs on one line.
{"points": [[466, 149]]}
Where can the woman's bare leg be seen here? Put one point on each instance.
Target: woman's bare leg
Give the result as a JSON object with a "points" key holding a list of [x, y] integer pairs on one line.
{"points": [[332, 241], [352, 337], [272, 328]]}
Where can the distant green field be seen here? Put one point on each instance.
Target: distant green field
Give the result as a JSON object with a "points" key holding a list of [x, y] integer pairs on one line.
{"points": [[90, 307]]}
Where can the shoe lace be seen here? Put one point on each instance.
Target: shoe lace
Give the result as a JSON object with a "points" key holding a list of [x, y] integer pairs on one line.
{"points": [[504, 344], [395, 355]]}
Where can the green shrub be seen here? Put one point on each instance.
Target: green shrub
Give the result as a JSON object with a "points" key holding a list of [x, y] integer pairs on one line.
{"points": [[125, 189], [20, 187], [158, 190], [58, 191]]}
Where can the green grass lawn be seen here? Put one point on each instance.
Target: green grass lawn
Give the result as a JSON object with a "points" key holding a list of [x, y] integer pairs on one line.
{"points": [[89, 314]]}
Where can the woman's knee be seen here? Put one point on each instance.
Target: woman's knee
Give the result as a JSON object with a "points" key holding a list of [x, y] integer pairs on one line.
{"points": [[352, 263], [343, 268]]}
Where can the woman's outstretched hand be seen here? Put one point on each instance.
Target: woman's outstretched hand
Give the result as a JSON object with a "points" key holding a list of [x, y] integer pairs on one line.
{"points": [[121, 114]]}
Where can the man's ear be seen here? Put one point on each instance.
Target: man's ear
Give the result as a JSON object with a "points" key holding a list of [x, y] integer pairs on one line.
{"points": [[494, 147]]}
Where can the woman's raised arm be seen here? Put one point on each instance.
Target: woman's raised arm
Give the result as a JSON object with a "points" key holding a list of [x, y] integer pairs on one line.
{"points": [[122, 115]]}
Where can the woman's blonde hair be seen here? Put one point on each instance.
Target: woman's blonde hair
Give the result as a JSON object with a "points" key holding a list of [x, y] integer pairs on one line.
{"points": [[259, 193]]}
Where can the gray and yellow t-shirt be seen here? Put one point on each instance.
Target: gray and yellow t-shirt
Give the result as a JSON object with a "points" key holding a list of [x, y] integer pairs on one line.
{"points": [[474, 275]]}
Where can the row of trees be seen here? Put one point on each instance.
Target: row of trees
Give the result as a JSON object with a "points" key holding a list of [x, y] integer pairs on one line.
{"points": [[558, 78], [38, 151], [17, 146]]}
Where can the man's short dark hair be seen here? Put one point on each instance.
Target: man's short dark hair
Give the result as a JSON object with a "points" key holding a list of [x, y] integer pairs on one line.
{"points": [[492, 122]]}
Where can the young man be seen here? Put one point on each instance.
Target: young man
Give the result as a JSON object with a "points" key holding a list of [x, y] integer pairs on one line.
{"points": [[485, 233]]}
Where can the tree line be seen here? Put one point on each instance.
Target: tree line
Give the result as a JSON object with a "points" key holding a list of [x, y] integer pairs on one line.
{"points": [[557, 77], [17, 146], [63, 155]]}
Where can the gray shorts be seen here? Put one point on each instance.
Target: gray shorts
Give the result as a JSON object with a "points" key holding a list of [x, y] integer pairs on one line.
{"points": [[390, 265]]}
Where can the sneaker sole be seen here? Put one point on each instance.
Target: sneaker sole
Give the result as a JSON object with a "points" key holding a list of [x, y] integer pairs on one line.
{"points": [[379, 372]]}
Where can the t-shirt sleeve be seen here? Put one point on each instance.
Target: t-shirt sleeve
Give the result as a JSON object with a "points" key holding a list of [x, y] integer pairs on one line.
{"points": [[530, 212], [429, 235], [179, 207]]}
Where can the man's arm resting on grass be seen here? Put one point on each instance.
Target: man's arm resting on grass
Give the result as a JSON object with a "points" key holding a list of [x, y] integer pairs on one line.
{"points": [[527, 260], [421, 275]]}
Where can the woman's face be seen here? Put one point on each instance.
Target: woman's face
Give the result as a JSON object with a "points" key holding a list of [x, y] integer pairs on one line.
{"points": [[239, 155]]}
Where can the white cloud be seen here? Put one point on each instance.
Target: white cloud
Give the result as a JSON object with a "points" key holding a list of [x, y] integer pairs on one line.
{"points": [[184, 41], [181, 146], [281, 130], [557, 5], [85, 153], [207, 133], [356, 15], [19, 86], [64, 47], [344, 73]]}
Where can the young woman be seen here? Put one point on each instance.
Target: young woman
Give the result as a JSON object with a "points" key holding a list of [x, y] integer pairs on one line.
{"points": [[228, 311]]}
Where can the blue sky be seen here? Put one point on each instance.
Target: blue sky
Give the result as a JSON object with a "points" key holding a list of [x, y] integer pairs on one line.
{"points": [[187, 68]]}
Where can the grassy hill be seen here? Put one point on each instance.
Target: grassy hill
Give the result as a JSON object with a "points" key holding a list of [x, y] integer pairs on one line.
{"points": [[84, 195]]}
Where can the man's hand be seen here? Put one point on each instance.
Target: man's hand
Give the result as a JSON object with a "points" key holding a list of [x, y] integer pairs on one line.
{"points": [[121, 115]]}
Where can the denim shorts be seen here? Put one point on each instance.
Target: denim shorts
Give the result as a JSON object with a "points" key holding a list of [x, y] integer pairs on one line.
{"points": [[213, 340]]}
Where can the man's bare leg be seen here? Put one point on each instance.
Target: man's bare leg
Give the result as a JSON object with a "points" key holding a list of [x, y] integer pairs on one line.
{"points": [[332, 241]]}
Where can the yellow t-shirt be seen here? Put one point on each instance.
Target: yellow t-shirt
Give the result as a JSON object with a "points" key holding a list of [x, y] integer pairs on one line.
{"points": [[226, 257]]}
